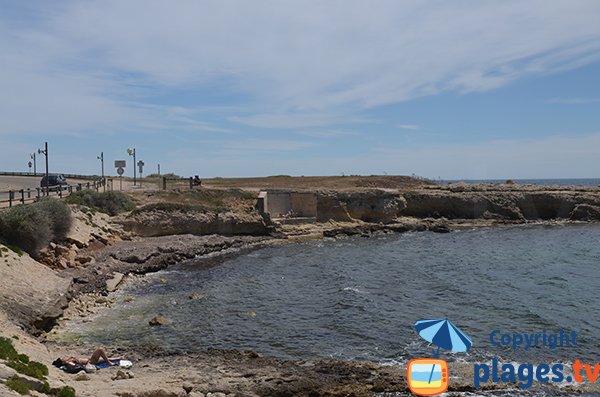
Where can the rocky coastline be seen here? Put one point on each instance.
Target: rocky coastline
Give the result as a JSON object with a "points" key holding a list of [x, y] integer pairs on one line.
{"points": [[101, 251]]}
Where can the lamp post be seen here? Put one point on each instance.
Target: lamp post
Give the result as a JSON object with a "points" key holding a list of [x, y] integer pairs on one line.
{"points": [[45, 153], [32, 155], [131, 152], [101, 158]]}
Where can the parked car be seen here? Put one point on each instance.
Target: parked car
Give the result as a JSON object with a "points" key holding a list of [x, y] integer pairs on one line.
{"points": [[54, 180]]}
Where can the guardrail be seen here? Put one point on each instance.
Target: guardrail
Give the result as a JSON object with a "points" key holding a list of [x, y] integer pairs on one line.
{"points": [[27, 196], [41, 174]]}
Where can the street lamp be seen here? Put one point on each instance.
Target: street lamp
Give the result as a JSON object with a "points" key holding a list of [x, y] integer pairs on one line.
{"points": [[131, 152], [45, 153], [32, 155], [101, 158]]}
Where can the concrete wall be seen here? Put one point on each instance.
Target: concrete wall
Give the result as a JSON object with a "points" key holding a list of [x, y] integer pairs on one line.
{"points": [[279, 203], [304, 204]]}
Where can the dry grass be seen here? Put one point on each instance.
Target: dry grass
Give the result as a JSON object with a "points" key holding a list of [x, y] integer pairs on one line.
{"points": [[351, 182]]}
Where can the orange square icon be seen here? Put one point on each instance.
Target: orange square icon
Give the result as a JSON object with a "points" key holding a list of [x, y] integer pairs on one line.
{"points": [[427, 376]]}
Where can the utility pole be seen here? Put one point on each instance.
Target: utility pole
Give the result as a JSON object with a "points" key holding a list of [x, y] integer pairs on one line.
{"points": [[101, 158], [32, 155], [131, 152], [45, 153]]}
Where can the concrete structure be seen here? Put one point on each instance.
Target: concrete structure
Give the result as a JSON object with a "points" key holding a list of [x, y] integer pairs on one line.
{"points": [[282, 204]]}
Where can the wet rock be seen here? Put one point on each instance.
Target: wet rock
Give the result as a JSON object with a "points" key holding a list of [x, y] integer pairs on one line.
{"points": [[113, 283], [196, 296], [159, 320]]}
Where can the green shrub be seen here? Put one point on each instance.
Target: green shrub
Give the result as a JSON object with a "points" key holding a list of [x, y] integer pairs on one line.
{"points": [[65, 391], [59, 214], [26, 226], [111, 203], [7, 350], [24, 358], [32, 368], [19, 386], [170, 207]]}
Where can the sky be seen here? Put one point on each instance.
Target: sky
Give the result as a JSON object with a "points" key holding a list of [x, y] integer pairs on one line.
{"points": [[440, 89]]}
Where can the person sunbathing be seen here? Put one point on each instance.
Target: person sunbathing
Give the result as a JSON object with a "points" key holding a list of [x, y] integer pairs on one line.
{"points": [[97, 357]]}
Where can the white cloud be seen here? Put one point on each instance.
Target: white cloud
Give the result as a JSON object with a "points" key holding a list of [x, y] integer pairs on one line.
{"points": [[84, 65], [408, 126]]}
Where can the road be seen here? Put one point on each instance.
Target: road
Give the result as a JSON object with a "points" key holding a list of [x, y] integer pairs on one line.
{"points": [[19, 182]]}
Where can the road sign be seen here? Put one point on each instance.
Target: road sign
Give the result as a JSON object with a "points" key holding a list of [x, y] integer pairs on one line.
{"points": [[140, 165], [120, 163], [120, 171]]}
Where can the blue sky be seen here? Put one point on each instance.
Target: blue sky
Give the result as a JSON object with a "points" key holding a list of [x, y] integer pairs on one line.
{"points": [[450, 89]]}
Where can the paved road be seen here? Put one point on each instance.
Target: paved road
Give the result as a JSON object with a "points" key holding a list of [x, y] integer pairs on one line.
{"points": [[19, 182]]}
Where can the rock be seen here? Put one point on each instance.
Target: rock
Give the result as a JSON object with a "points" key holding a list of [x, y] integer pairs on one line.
{"points": [[120, 375], [216, 394], [196, 394], [197, 296], [83, 259], [188, 387], [159, 320], [113, 283], [191, 221], [130, 375], [61, 250], [6, 372], [82, 376], [585, 212], [101, 299]]}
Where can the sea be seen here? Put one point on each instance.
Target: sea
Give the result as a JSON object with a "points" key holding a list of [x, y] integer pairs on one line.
{"points": [[359, 298], [555, 181]]}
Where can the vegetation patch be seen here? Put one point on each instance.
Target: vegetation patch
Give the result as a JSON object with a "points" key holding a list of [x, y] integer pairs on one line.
{"points": [[21, 362], [170, 207], [32, 227], [111, 203], [19, 386]]}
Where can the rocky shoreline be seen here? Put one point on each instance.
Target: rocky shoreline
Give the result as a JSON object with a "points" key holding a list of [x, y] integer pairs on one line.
{"points": [[98, 254]]}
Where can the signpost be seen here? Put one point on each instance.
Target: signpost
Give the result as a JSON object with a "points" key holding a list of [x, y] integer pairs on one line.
{"points": [[120, 165], [141, 169]]}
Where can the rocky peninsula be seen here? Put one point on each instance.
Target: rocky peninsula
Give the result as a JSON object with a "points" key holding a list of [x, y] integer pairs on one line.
{"points": [[75, 277]]}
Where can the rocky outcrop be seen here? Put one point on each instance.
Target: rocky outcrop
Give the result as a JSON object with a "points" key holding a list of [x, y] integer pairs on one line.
{"points": [[511, 203], [164, 223], [376, 206], [526, 204]]}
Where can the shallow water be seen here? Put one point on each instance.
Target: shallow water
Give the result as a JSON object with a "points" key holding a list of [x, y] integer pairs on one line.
{"points": [[359, 298]]}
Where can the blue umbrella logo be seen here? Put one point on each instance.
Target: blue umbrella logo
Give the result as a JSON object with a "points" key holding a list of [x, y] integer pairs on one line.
{"points": [[443, 334]]}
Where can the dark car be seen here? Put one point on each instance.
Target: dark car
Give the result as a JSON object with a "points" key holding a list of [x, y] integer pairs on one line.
{"points": [[53, 180]]}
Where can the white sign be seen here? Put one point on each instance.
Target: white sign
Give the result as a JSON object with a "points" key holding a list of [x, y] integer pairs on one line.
{"points": [[120, 163]]}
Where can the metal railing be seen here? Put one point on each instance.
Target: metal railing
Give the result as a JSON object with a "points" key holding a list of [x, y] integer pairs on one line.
{"points": [[9, 198]]}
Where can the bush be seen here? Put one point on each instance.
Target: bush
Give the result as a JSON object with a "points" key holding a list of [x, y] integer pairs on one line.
{"points": [[7, 350], [111, 203], [59, 214], [26, 226], [19, 386], [32, 368], [65, 391], [170, 207]]}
